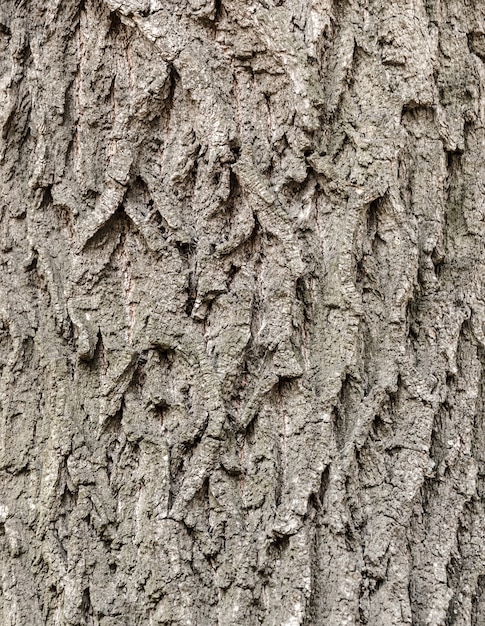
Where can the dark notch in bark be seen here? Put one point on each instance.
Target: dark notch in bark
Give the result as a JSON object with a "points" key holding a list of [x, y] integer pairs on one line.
{"points": [[5, 31], [218, 8], [476, 44], [373, 217], [412, 318], [342, 409], [317, 502], [417, 113], [86, 606], [46, 200], [187, 251], [455, 222], [111, 428], [139, 375], [113, 226], [478, 602], [17, 126], [173, 81], [438, 260], [115, 24], [81, 8], [99, 360]]}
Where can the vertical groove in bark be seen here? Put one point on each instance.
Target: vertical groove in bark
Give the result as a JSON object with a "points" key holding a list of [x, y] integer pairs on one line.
{"points": [[241, 313]]}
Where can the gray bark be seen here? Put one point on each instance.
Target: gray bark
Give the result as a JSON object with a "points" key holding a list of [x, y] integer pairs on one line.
{"points": [[242, 345]]}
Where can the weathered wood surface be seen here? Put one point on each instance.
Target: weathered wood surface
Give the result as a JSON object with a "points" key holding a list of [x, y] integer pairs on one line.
{"points": [[242, 299]]}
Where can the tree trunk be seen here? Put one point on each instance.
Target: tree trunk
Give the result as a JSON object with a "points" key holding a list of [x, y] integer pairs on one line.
{"points": [[242, 300]]}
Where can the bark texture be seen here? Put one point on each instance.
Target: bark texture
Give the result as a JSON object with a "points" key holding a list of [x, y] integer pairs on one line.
{"points": [[242, 303]]}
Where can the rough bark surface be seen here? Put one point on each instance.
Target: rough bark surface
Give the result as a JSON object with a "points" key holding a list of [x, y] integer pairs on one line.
{"points": [[242, 301]]}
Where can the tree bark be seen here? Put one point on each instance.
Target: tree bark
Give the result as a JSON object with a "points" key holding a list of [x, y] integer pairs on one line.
{"points": [[242, 300]]}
